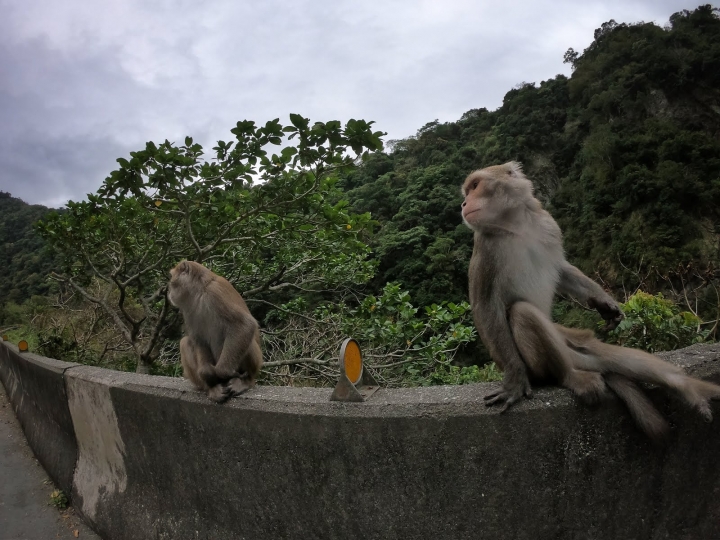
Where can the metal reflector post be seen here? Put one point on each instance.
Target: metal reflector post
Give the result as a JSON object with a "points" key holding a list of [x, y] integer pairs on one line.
{"points": [[355, 383]]}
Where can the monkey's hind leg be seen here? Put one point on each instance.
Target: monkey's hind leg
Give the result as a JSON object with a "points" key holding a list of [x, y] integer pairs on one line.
{"points": [[194, 359], [245, 380], [547, 355], [638, 365], [698, 394], [646, 416]]}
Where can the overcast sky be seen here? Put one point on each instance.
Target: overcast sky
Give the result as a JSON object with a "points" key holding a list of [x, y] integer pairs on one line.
{"points": [[85, 82]]}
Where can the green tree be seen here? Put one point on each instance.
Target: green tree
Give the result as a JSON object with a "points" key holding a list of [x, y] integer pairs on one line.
{"points": [[266, 221]]}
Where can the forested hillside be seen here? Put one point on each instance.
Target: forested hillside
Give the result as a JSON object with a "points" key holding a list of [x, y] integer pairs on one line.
{"points": [[625, 152], [24, 267]]}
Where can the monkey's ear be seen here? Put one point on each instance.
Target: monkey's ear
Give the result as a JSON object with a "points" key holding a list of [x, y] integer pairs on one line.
{"points": [[183, 267], [514, 168]]}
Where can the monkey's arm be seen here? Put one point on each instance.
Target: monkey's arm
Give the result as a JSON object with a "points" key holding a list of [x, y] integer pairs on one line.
{"points": [[578, 285], [240, 338], [497, 336]]}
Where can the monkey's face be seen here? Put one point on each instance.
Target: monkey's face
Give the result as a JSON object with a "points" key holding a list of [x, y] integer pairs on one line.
{"points": [[491, 195], [479, 190]]}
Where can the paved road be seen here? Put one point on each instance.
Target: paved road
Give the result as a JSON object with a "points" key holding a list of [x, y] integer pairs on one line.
{"points": [[25, 490]]}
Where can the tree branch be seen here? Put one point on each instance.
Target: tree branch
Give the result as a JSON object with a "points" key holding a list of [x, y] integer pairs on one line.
{"points": [[111, 312], [294, 361], [267, 284], [257, 300], [150, 345]]}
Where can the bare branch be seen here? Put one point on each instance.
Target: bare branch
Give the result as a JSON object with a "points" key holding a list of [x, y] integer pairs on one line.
{"points": [[150, 268], [111, 312], [294, 361], [188, 226], [267, 284], [152, 341]]}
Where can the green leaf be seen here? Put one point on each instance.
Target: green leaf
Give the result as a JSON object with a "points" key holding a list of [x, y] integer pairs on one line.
{"points": [[298, 121]]}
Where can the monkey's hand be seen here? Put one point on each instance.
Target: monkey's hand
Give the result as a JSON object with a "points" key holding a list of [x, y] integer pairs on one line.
{"points": [[219, 393], [512, 391], [608, 309]]}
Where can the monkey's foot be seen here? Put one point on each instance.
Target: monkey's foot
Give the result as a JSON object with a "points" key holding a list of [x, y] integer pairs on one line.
{"points": [[698, 394], [701, 405], [705, 412], [507, 397], [239, 385], [589, 386], [219, 393]]}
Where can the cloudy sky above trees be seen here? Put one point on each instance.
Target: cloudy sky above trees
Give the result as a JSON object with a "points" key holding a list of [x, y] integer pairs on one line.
{"points": [[83, 83]]}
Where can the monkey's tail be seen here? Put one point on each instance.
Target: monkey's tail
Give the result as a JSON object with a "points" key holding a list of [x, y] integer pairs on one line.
{"points": [[646, 416]]}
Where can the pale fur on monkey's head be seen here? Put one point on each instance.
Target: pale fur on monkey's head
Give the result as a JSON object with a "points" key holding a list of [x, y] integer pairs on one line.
{"points": [[514, 166], [189, 267], [509, 175], [181, 278]]}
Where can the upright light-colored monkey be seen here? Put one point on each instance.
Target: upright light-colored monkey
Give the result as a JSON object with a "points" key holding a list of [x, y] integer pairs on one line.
{"points": [[517, 266], [220, 352]]}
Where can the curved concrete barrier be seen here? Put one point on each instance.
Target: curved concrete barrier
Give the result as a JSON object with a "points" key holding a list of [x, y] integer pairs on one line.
{"points": [[157, 460], [36, 387]]}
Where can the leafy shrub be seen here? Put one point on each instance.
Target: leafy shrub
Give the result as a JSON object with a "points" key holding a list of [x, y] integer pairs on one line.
{"points": [[402, 345], [454, 375], [653, 323], [59, 345], [420, 344]]}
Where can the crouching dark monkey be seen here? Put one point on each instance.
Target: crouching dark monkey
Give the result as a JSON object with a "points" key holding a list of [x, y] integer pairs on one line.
{"points": [[220, 352]]}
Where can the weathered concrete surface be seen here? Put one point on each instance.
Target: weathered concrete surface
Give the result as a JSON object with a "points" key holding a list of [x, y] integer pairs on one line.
{"points": [[100, 470], [36, 389], [412, 463], [25, 490]]}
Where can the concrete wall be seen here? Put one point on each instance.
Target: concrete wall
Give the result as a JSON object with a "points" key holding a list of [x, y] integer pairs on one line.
{"points": [[36, 388], [157, 460]]}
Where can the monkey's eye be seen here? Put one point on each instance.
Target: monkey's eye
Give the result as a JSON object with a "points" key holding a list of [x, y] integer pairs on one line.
{"points": [[474, 185]]}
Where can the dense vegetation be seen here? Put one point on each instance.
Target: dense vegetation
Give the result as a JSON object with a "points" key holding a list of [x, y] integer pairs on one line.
{"points": [[24, 268], [625, 153]]}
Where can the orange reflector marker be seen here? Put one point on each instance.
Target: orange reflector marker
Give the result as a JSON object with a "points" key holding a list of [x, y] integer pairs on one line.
{"points": [[23, 346], [353, 361], [4, 338], [355, 383]]}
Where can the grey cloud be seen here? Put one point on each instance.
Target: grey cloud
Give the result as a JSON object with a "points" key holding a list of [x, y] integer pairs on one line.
{"points": [[84, 83], [50, 171]]}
